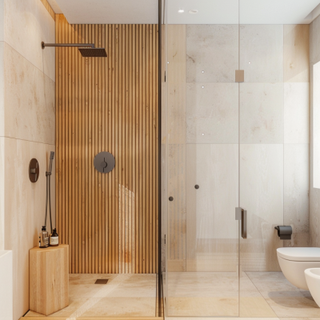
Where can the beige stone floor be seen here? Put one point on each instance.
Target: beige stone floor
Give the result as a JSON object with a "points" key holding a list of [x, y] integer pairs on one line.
{"points": [[264, 295], [124, 295]]}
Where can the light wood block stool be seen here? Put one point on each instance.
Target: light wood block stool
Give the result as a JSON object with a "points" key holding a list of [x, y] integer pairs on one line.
{"points": [[49, 279]]}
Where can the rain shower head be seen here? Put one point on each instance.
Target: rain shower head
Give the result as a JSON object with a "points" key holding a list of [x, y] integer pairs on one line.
{"points": [[93, 52], [86, 49]]}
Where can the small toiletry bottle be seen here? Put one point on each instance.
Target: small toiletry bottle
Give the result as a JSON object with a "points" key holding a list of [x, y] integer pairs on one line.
{"points": [[54, 239], [43, 238]]}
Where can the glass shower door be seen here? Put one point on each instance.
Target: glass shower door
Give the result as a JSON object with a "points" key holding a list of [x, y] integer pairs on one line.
{"points": [[202, 121]]}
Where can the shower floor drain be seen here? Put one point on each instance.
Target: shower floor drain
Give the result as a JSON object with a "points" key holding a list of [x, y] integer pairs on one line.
{"points": [[101, 281]]}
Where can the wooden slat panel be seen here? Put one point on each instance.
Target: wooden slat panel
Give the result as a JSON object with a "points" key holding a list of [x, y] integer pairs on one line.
{"points": [[108, 104]]}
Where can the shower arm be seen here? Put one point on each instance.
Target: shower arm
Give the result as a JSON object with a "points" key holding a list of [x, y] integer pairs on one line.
{"points": [[87, 45]]}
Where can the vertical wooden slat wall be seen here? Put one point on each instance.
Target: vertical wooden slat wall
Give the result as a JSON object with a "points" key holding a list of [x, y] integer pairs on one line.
{"points": [[108, 104]]}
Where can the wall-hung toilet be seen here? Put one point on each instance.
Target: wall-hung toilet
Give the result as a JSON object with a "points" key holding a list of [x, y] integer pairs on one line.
{"points": [[293, 262]]}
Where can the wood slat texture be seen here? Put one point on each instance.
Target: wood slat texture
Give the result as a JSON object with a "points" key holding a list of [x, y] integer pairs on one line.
{"points": [[177, 161], [108, 104]]}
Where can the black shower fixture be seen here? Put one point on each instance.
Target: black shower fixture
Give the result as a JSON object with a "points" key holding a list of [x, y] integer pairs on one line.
{"points": [[86, 49]]}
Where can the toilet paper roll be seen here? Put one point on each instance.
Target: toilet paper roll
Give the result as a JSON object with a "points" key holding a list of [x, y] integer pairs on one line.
{"points": [[284, 232]]}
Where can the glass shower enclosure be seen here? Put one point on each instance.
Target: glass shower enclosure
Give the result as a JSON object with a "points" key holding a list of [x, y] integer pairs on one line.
{"points": [[235, 139]]}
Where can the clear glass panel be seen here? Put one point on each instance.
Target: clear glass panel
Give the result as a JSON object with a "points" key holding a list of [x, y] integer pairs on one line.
{"points": [[274, 104], [202, 159], [243, 144]]}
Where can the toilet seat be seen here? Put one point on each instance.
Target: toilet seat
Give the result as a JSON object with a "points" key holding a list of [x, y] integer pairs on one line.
{"points": [[299, 253]]}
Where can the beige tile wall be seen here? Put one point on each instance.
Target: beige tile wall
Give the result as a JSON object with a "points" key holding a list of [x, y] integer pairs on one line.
{"points": [[2, 199], [1, 19], [274, 126], [314, 193], [1, 137], [27, 78], [296, 132]]}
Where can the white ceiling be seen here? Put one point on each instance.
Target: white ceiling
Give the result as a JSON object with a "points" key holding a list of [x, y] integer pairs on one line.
{"points": [[209, 11], [251, 11], [109, 11]]}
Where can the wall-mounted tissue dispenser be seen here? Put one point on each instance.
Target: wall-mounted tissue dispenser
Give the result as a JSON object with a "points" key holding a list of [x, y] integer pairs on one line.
{"points": [[284, 232]]}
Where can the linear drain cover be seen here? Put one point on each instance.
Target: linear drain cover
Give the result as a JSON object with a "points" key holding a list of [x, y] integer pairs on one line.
{"points": [[101, 281]]}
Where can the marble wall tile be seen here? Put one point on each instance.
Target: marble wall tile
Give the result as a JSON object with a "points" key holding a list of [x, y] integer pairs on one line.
{"points": [[210, 209], [176, 54], [26, 24], [296, 112], [314, 41], [29, 100], [296, 53], [261, 53], [314, 193], [212, 53], [296, 185], [24, 211], [176, 121], [261, 113], [2, 186], [2, 113], [298, 239], [212, 113], [1, 20], [6, 293], [261, 194], [314, 217]]}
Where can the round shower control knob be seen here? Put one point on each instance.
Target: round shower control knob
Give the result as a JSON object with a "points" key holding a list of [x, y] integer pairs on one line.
{"points": [[196, 186], [170, 198], [104, 162]]}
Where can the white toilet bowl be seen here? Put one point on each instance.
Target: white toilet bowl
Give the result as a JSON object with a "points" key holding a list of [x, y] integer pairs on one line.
{"points": [[293, 262], [313, 281]]}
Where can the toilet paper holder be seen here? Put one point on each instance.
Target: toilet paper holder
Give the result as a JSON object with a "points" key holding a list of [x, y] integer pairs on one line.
{"points": [[284, 232]]}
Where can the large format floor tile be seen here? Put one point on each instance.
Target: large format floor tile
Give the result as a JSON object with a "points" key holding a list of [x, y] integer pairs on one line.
{"points": [[285, 299], [123, 295], [263, 295]]}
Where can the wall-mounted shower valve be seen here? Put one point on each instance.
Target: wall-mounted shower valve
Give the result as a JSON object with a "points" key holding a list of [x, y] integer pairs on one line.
{"points": [[33, 170], [104, 162]]}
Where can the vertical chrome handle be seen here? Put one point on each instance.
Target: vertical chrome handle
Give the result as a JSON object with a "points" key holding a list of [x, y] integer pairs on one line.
{"points": [[241, 214], [244, 224]]}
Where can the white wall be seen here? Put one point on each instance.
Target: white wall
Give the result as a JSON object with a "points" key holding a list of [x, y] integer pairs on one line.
{"points": [[28, 131], [6, 293], [314, 192]]}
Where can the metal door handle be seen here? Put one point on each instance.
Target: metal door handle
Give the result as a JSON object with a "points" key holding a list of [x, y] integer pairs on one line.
{"points": [[241, 214], [244, 224]]}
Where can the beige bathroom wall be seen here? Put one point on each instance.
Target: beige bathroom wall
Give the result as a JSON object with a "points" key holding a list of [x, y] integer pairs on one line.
{"points": [[274, 125], [1, 20], [314, 192], [27, 81], [1, 139], [296, 133]]}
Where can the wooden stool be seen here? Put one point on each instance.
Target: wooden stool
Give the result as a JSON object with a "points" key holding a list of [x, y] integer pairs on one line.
{"points": [[49, 279]]}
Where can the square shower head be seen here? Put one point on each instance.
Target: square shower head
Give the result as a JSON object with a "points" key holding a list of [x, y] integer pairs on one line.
{"points": [[93, 52]]}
